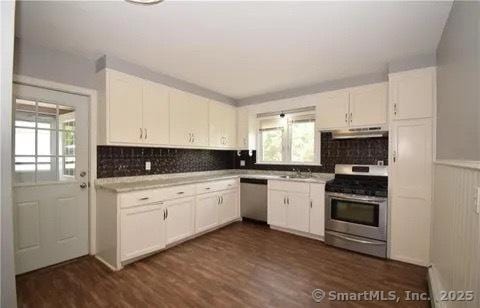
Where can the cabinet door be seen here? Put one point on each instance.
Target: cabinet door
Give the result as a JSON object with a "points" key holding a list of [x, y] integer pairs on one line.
{"points": [[277, 208], [198, 115], [228, 207], [230, 131], [156, 122], [298, 211], [216, 114], [242, 128], [124, 110], [332, 110], [206, 212], [141, 231], [411, 181], [180, 118], [179, 222], [412, 94], [368, 105], [317, 209], [411, 164]]}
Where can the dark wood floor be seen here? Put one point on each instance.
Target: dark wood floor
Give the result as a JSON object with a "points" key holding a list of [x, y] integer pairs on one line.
{"points": [[244, 264]]}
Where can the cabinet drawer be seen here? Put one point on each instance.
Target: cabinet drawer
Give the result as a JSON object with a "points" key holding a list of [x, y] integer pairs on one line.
{"points": [[138, 198], [289, 186], [216, 185], [175, 192]]}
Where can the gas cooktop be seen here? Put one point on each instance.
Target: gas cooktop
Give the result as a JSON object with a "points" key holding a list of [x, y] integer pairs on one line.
{"points": [[369, 180]]}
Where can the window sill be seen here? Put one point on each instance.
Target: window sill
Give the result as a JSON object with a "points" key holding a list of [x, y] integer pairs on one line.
{"points": [[288, 164]]}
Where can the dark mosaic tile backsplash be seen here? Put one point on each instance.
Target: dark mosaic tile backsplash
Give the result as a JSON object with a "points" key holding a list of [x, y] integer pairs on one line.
{"points": [[342, 151], [115, 161]]}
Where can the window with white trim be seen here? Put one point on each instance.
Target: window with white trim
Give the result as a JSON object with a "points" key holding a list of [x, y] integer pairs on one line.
{"points": [[289, 140]]}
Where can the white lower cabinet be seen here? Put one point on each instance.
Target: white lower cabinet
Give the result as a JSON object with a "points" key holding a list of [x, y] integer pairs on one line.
{"points": [[206, 212], [317, 209], [228, 208], [142, 230], [297, 206], [277, 208], [298, 211], [179, 215]]}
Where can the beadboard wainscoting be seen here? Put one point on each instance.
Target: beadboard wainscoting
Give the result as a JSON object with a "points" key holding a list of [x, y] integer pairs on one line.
{"points": [[455, 240], [366, 151]]}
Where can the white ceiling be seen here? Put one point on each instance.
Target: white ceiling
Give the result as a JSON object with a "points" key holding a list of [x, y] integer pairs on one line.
{"points": [[241, 49]]}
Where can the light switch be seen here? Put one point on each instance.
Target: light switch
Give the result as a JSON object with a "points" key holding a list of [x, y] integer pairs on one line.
{"points": [[242, 163], [148, 165]]}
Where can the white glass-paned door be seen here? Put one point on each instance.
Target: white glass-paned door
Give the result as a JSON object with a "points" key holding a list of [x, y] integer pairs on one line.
{"points": [[51, 177]]}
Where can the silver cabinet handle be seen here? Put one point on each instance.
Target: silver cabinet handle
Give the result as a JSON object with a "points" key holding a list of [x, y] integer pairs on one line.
{"points": [[164, 214], [284, 200], [222, 199], [311, 203], [193, 138], [288, 200], [346, 117], [180, 193], [146, 133], [395, 109], [144, 198], [141, 133], [351, 117], [207, 188], [218, 200], [394, 156], [167, 213]]}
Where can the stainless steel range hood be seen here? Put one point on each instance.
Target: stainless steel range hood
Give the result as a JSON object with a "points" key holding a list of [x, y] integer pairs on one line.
{"points": [[364, 132]]}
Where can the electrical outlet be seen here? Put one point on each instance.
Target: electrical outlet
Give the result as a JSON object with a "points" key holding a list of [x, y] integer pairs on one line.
{"points": [[148, 166], [380, 163], [242, 163]]}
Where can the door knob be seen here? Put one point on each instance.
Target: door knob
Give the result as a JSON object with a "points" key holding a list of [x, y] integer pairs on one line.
{"points": [[83, 185]]}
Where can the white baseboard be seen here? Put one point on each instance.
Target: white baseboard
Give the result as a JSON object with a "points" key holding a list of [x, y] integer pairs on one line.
{"points": [[106, 263], [435, 286]]}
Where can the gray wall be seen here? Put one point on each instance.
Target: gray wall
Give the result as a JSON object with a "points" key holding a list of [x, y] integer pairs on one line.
{"points": [[44, 63], [458, 83]]}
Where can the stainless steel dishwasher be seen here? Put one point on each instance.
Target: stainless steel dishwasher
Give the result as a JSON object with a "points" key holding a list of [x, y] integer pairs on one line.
{"points": [[253, 199]]}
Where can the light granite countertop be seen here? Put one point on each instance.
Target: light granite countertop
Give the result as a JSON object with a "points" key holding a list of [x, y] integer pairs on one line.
{"points": [[127, 184]]}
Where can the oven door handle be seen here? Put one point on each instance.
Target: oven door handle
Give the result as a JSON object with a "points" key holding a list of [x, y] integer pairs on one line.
{"points": [[363, 200], [355, 240]]}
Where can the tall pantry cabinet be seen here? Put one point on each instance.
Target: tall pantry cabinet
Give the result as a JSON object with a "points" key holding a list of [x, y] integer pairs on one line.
{"points": [[411, 107]]}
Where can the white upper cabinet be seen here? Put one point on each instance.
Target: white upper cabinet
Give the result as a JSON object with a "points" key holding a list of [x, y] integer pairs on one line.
{"points": [[412, 94], [368, 105], [222, 125], [353, 107], [332, 110], [123, 108], [245, 129], [188, 119], [156, 117]]}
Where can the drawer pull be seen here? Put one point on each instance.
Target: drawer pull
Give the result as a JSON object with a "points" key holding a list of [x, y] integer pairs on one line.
{"points": [[180, 193], [144, 198], [207, 188]]}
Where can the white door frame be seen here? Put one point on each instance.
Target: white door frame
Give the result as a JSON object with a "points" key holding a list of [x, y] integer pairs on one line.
{"points": [[92, 142]]}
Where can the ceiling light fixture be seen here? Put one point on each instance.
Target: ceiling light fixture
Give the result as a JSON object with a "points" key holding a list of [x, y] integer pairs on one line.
{"points": [[144, 2]]}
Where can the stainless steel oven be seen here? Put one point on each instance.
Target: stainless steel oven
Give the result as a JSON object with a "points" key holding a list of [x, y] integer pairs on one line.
{"points": [[356, 209], [358, 215]]}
